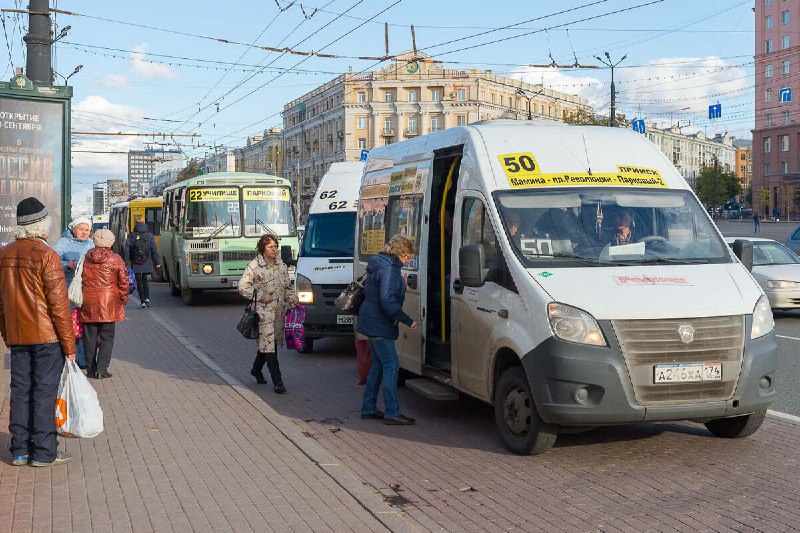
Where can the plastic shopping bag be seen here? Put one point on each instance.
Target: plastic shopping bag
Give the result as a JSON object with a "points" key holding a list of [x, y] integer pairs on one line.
{"points": [[131, 281], [75, 289], [294, 330], [78, 412]]}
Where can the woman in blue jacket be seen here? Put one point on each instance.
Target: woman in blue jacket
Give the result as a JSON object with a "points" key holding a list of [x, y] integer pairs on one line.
{"points": [[73, 245], [381, 311]]}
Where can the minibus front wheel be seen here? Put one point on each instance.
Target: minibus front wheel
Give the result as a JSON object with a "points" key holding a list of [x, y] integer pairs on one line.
{"points": [[516, 416], [737, 427]]}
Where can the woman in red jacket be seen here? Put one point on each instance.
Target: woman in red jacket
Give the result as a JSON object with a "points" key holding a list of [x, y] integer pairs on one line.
{"points": [[105, 293]]}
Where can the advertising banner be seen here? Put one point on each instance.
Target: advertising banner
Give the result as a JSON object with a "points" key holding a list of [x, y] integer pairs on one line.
{"points": [[32, 157]]}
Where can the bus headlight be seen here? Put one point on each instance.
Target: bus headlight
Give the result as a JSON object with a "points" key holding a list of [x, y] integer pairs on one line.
{"points": [[305, 291], [208, 269], [571, 324], [763, 322]]}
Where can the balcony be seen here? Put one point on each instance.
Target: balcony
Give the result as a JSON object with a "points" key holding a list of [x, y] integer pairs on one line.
{"points": [[387, 132], [412, 133]]}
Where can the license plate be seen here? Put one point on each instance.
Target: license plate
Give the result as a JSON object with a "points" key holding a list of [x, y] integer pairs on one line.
{"points": [[345, 319], [687, 372]]}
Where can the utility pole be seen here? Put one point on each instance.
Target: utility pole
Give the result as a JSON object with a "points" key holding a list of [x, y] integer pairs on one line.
{"points": [[39, 39], [610, 64]]}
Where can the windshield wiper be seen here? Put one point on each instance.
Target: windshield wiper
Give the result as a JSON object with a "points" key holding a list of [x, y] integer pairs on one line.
{"points": [[588, 260], [673, 261], [335, 250], [266, 227], [218, 230]]}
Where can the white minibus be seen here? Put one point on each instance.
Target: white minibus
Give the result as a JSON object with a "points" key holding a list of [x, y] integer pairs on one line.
{"points": [[569, 276], [325, 262]]}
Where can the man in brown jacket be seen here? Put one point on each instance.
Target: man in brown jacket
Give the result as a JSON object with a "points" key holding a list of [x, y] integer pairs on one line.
{"points": [[36, 324]]}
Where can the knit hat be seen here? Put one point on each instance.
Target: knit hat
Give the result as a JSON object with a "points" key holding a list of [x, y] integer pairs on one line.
{"points": [[30, 211], [78, 221], [103, 238]]}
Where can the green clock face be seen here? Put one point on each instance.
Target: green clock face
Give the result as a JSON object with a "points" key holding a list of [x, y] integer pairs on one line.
{"points": [[412, 67]]}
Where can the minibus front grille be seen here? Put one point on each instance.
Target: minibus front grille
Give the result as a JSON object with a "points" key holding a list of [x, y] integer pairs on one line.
{"points": [[246, 255], [329, 292], [646, 343], [203, 257]]}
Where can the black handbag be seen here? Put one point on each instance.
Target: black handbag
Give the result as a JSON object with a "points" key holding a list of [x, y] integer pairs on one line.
{"points": [[352, 296], [248, 324]]}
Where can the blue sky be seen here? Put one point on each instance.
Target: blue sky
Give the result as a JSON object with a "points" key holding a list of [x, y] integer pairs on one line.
{"points": [[681, 56]]}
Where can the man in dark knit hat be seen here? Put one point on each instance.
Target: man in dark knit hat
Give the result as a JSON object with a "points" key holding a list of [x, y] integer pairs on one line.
{"points": [[36, 324]]}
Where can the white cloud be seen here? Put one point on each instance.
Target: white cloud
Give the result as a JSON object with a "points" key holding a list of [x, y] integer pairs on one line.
{"points": [[95, 113], [683, 86], [115, 81], [149, 70]]}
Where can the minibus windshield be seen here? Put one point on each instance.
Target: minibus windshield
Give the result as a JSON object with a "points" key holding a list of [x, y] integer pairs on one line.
{"points": [[588, 226], [213, 212], [329, 235]]}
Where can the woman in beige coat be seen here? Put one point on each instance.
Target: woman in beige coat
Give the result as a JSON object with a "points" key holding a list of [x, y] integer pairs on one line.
{"points": [[268, 276]]}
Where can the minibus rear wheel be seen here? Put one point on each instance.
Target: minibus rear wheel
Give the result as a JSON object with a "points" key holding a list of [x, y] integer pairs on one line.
{"points": [[737, 427], [516, 416]]}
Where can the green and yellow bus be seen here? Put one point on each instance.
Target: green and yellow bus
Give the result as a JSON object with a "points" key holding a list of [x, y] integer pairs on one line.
{"points": [[211, 225], [121, 220]]}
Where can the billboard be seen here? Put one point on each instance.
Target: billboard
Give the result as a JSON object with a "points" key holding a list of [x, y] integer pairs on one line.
{"points": [[32, 155]]}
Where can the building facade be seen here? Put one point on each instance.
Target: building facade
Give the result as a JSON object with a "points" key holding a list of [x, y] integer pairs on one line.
{"points": [[744, 166], [144, 165], [263, 154], [221, 160], [776, 137], [117, 192], [100, 198], [691, 153], [411, 97]]}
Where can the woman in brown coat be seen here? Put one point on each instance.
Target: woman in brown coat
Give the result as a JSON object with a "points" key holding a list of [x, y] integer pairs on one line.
{"points": [[105, 293]]}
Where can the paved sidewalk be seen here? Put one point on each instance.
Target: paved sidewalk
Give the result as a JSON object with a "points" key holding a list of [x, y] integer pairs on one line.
{"points": [[184, 450]]}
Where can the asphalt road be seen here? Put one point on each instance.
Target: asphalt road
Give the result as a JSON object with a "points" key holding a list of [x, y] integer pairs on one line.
{"points": [[787, 324]]}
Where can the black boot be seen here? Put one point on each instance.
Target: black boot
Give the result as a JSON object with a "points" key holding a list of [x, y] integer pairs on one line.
{"points": [[275, 372], [258, 365]]}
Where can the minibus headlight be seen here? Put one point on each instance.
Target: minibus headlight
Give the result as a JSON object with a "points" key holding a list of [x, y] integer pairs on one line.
{"points": [[762, 319], [571, 324], [305, 291], [777, 284]]}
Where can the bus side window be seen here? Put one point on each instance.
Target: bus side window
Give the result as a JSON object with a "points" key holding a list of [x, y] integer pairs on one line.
{"points": [[167, 214]]}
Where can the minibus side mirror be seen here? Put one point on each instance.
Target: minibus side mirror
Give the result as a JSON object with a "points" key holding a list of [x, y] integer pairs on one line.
{"points": [[743, 249], [286, 255], [470, 265]]}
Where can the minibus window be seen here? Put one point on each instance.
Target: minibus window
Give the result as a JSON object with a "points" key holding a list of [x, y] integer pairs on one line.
{"points": [[591, 226]]}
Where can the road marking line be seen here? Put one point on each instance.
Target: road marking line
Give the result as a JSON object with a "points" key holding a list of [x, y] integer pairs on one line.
{"points": [[786, 417], [786, 337]]}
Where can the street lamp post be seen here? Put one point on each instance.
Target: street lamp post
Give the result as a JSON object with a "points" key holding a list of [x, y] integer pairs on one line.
{"points": [[607, 62], [521, 92]]}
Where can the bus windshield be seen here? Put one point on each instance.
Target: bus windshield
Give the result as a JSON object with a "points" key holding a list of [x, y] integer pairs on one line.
{"points": [[267, 210], [213, 211], [590, 226], [329, 235]]}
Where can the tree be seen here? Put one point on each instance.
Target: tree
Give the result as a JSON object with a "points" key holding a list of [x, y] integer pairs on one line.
{"points": [[717, 187], [763, 196], [191, 170], [584, 117], [748, 196]]}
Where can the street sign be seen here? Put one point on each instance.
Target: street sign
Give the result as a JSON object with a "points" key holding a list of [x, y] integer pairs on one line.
{"points": [[785, 94], [715, 111], [363, 156], [638, 126]]}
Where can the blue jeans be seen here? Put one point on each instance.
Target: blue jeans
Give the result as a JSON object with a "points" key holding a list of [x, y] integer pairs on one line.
{"points": [[383, 371], [35, 375]]}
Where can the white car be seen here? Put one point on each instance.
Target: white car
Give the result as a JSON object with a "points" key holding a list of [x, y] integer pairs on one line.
{"points": [[777, 269]]}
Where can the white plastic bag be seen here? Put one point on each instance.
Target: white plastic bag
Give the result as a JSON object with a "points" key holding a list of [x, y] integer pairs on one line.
{"points": [[75, 289], [78, 412]]}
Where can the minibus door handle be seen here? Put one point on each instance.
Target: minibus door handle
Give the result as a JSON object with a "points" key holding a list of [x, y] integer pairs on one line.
{"points": [[457, 286]]}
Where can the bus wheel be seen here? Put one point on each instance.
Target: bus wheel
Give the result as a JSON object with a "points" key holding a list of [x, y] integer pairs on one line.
{"points": [[174, 290], [190, 296], [736, 427], [516, 416]]}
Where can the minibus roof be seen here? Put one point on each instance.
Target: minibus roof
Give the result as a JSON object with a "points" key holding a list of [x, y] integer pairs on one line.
{"points": [[528, 155], [339, 184]]}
